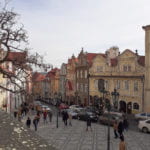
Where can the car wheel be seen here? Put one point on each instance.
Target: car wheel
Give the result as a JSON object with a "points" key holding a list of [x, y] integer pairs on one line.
{"points": [[144, 129]]}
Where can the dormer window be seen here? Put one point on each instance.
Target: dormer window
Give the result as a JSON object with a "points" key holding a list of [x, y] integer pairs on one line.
{"points": [[126, 68], [99, 69]]}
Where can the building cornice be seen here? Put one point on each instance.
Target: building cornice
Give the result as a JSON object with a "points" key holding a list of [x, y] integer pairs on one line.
{"points": [[146, 27]]}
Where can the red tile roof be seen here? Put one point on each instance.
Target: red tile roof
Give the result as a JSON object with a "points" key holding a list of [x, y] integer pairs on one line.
{"points": [[38, 77], [91, 56], [141, 60], [17, 56], [114, 62]]}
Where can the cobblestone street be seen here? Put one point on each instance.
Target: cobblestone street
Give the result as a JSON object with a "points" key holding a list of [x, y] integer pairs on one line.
{"points": [[14, 136], [77, 138]]}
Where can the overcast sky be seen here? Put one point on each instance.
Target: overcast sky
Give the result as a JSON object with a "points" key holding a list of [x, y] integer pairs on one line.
{"points": [[59, 28]]}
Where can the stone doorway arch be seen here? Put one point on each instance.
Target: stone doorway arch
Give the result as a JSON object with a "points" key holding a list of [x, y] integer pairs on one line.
{"points": [[122, 106]]}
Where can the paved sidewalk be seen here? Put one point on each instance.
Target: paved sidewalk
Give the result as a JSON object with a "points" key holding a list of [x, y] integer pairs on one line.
{"points": [[14, 136], [77, 138]]}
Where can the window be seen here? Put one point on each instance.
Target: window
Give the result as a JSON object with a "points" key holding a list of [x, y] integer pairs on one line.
{"points": [[106, 85], [77, 73], [99, 69], [85, 74], [81, 87], [96, 84], [86, 88], [136, 86], [118, 84], [81, 73], [126, 85], [77, 86], [126, 68], [129, 68], [136, 106]]}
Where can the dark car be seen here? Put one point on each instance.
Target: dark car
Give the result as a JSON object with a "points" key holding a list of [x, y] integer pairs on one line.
{"points": [[83, 115], [107, 118], [94, 110]]}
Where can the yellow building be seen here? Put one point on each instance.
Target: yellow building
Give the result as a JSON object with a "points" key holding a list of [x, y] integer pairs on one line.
{"points": [[2, 92], [123, 72], [37, 85]]}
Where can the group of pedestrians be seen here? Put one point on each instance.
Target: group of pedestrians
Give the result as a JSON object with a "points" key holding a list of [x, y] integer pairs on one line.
{"points": [[119, 128], [65, 116]]}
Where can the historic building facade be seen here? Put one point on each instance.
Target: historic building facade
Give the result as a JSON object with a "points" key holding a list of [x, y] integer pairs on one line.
{"points": [[123, 72], [82, 77], [62, 82], [71, 80]]}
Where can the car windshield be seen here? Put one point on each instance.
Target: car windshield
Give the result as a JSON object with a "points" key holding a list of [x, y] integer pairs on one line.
{"points": [[143, 114]]}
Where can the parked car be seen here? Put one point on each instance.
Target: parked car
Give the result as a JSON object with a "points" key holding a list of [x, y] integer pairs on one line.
{"points": [[114, 113], [63, 106], [144, 125], [142, 116], [75, 107], [45, 108], [94, 110], [83, 115], [74, 113], [108, 118]]}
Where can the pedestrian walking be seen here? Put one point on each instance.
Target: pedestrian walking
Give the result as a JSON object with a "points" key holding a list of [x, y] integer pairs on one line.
{"points": [[15, 113], [28, 122], [45, 117], [88, 122], [122, 144], [115, 126], [65, 117], [35, 122], [38, 117], [125, 124], [120, 128], [70, 119], [19, 115], [50, 115]]}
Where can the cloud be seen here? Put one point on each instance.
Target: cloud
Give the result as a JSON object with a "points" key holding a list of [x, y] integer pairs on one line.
{"points": [[61, 27]]}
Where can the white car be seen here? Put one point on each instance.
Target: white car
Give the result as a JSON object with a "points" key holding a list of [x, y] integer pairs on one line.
{"points": [[144, 125], [73, 113], [75, 107], [142, 116]]}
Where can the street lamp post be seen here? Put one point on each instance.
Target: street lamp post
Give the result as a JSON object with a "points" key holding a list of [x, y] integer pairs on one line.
{"points": [[108, 106], [115, 98]]}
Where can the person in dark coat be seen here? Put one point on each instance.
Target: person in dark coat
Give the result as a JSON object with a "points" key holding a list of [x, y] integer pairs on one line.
{"points": [[88, 123], [120, 128], [125, 124], [65, 117], [28, 122]]}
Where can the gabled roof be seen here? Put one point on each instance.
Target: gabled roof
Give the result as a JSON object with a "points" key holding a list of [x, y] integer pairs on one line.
{"points": [[128, 50]]}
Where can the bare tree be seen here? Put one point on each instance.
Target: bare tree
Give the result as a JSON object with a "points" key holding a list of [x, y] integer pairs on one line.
{"points": [[14, 42]]}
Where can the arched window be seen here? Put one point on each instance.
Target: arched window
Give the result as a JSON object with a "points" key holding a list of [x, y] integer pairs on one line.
{"points": [[135, 106]]}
